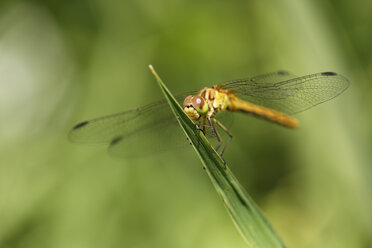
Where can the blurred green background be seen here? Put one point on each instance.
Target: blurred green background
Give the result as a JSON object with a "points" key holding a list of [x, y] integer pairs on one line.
{"points": [[62, 62]]}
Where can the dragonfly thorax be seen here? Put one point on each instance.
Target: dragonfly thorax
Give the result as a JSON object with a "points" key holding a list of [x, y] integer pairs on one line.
{"points": [[208, 102]]}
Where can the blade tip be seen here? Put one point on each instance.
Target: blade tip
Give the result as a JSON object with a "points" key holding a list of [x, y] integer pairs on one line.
{"points": [[152, 69]]}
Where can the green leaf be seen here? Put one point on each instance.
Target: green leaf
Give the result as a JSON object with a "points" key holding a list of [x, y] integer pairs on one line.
{"points": [[249, 220]]}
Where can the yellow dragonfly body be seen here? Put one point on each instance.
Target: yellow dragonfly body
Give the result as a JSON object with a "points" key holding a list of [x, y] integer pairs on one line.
{"points": [[273, 97], [211, 101]]}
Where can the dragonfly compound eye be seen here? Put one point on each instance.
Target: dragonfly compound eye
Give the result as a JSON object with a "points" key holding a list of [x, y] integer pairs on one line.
{"points": [[199, 104], [187, 101]]}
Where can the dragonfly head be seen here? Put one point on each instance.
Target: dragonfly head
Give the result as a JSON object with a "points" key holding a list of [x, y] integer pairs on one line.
{"points": [[195, 106]]}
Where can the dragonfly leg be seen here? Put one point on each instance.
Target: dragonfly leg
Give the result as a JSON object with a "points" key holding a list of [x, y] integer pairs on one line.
{"points": [[227, 132], [200, 125], [215, 133], [204, 124]]}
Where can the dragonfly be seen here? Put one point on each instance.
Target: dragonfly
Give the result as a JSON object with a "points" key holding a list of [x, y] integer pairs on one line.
{"points": [[274, 97]]}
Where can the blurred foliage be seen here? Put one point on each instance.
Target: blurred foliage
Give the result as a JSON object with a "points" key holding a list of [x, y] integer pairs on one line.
{"points": [[62, 62]]}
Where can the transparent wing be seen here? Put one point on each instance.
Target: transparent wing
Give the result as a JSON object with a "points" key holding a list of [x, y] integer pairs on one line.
{"points": [[286, 93], [150, 128]]}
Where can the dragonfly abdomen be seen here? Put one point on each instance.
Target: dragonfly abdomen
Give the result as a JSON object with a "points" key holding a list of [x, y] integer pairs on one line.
{"points": [[237, 105]]}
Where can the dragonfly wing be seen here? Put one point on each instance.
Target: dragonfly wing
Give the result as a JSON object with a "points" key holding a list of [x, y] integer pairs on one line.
{"points": [[158, 137], [130, 129], [268, 78], [292, 95]]}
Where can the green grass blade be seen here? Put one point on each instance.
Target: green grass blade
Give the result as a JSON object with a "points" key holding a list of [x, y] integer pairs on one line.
{"points": [[249, 220]]}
